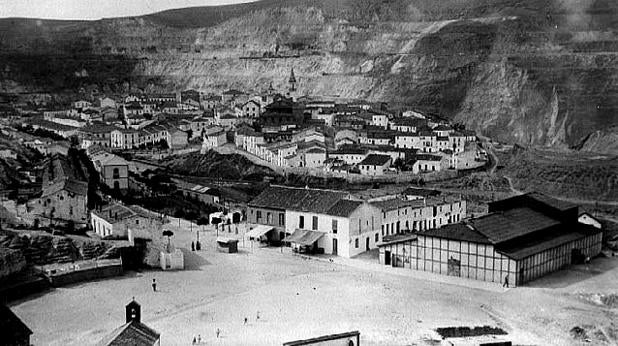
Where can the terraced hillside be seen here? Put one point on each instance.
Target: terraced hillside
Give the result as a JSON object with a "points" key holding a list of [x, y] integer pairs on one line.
{"points": [[531, 71]]}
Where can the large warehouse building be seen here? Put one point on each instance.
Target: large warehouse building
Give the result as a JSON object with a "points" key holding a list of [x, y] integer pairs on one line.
{"points": [[521, 239]]}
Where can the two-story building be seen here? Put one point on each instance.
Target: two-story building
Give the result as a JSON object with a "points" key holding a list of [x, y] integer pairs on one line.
{"points": [[113, 169]]}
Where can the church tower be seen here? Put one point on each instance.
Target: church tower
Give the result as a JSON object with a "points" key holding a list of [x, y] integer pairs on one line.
{"points": [[133, 312], [292, 81]]}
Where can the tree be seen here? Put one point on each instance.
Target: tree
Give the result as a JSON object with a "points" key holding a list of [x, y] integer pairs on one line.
{"points": [[167, 233]]}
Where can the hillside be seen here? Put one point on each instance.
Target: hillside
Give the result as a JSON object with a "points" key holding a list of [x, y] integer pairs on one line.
{"points": [[216, 166], [537, 72]]}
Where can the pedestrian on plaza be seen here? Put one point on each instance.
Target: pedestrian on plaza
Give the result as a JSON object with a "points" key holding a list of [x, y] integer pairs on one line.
{"points": [[194, 341], [192, 246], [199, 339], [506, 281], [257, 317], [218, 332], [245, 320], [154, 285]]}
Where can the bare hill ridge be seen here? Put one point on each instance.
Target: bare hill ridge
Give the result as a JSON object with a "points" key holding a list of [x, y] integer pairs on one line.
{"points": [[532, 72]]}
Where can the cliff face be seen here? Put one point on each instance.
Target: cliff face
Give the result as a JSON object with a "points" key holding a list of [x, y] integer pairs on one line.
{"points": [[532, 72]]}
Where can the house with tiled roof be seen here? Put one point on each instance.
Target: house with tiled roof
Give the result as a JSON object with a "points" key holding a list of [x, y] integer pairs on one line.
{"points": [[317, 221], [113, 169], [521, 239], [375, 164], [120, 221], [64, 194]]}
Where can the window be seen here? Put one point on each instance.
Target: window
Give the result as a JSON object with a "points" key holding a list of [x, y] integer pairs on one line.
{"points": [[281, 219], [356, 243], [258, 215], [376, 237], [314, 225], [383, 230], [335, 226], [116, 173], [268, 218], [301, 222]]}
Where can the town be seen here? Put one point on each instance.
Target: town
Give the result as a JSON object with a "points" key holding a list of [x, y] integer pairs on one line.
{"points": [[271, 215]]}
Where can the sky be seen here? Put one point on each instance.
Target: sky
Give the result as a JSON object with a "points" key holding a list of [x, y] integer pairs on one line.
{"points": [[96, 9]]}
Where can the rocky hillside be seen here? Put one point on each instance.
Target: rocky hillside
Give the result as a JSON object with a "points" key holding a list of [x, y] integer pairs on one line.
{"points": [[529, 71]]}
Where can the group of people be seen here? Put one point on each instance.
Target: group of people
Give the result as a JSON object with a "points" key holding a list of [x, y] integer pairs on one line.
{"points": [[197, 340], [196, 246]]}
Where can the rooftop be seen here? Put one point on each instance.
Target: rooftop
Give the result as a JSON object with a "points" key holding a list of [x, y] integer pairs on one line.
{"points": [[510, 224], [376, 160], [131, 334], [12, 326], [298, 199], [344, 208]]}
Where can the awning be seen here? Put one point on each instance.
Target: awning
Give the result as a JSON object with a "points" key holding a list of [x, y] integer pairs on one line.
{"points": [[304, 237], [259, 231]]}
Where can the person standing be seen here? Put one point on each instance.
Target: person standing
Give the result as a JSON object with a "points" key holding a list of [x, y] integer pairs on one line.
{"points": [[154, 285], [199, 339], [218, 332], [506, 281], [257, 316]]}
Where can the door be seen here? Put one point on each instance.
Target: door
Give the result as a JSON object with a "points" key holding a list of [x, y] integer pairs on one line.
{"points": [[387, 258], [454, 267], [366, 244], [334, 246]]}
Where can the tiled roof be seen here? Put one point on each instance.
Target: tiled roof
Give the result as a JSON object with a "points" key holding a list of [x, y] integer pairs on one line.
{"points": [[552, 202], [113, 213], [375, 160], [298, 199], [414, 191], [396, 203], [457, 231], [131, 334], [344, 208], [510, 224], [522, 250], [12, 327]]}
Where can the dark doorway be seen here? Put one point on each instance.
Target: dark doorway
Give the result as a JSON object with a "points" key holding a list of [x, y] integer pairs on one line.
{"points": [[334, 246], [387, 258], [520, 281], [454, 267], [577, 257], [366, 244]]}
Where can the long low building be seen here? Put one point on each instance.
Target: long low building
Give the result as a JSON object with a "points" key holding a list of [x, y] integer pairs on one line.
{"points": [[521, 239], [338, 223]]}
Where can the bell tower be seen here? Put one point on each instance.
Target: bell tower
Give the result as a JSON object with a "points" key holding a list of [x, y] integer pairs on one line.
{"points": [[292, 81], [133, 311]]}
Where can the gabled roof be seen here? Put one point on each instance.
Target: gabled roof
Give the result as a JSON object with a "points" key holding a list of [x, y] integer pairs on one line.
{"points": [[457, 231], [298, 199], [131, 334], [375, 160], [510, 224], [344, 208], [12, 327]]}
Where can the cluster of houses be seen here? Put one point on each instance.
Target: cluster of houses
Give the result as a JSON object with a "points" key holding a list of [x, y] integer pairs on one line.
{"points": [[343, 224]]}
